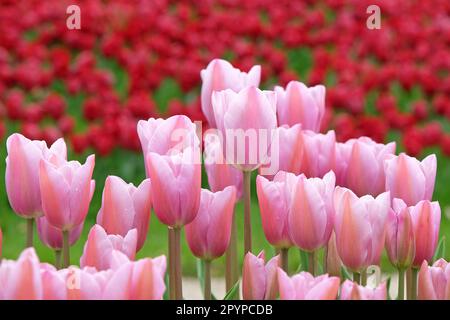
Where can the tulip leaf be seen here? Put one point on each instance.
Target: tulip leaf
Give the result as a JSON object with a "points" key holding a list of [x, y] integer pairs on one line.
{"points": [[303, 261], [166, 282], [201, 276], [345, 274], [440, 251], [232, 293], [388, 287]]}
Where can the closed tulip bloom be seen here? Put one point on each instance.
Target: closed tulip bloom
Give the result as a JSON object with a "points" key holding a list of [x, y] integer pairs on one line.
{"points": [[176, 185], [400, 243], [312, 213], [365, 173], [409, 179], [125, 207], [167, 136], [304, 286], [21, 279], [426, 219], [66, 190], [220, 173], [52, 237], [333, 261], [259, 280], [360, 227], [247, 121], [208, 235], [274, 198], [99, 247], [138, 280], [220, 75], [434, 281], [300, 104], [352, 291], [22, 172], [318, 153]]}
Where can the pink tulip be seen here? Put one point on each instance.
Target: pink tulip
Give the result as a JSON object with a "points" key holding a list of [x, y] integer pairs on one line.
{"points": [[138, 280], [343, 153], [167, 136], [274, 199], [99, 246], [22, 172], [53, 283], [125, 207], [409, 179], [365, 173], [208, 235], [287, 148], [66, 190], [220, 174], [360, 225], [220, 75], [176, 185], [247, 123], [259, 280], [311, 215], [300, 104], [318, 153], [352, 291], [426, 219], [400, 243], [304, 286], [434, 281], [21, 279], [52, 237], [333, 261], [84, 284]]}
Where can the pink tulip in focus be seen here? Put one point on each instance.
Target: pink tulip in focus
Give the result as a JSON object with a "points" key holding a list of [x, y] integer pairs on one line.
{"points": [[52, 237], [352, 291], [208, 235], [66, 190], [300, 104], [360, 225], [426, 219], [125, 207], [312, 213], [84, 284], [434, 281], [409, 179], [220, 75], [53, 283], [304, 286], [220, 174], [99, 246], [259, 280], [318, 153], [22, 172], [247, 122], [365, 167], [274, 198], [400, 243], [137, 280]]}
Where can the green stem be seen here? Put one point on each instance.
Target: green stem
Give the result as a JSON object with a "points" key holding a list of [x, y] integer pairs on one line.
{"points": [[247, 213], [66, 249], [29, 242], [414, 283], [409, 284], [401, 284], [58, 259], [357, 277], [232, 270], [178, 271], [364, 277], [207, 288], [284, 255], [171, 242], [312, 262]]}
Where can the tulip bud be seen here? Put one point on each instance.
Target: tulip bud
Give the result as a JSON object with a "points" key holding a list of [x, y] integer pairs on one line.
{"points": [[259, 280], [434, 281]]}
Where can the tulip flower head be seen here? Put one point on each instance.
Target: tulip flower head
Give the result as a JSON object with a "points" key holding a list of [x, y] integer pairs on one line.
{"points": [[220, 75], [259, 280], [434, 281], [318, 153], [352, 291], [52, 237]]}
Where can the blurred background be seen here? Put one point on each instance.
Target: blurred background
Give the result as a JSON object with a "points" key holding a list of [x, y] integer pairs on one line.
{"points": [[135, 59]]}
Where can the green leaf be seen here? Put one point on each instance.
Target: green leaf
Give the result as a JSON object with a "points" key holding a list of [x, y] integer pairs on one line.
{"points": [[440, 251], [231, 294], [345, 274], [166, 282], [303, 261], [201, 276], [388, 286]]}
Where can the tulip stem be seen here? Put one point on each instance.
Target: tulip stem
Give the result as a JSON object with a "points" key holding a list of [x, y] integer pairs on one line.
{"points": [[414, 283], [231, 259], [247, 213], [207, 284], [364, 277], [312, 262], [178, 271], [357, 277], [171, 241], [284, 253], [29, 242], [401, 284], [58, 259], [66, 249]]}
